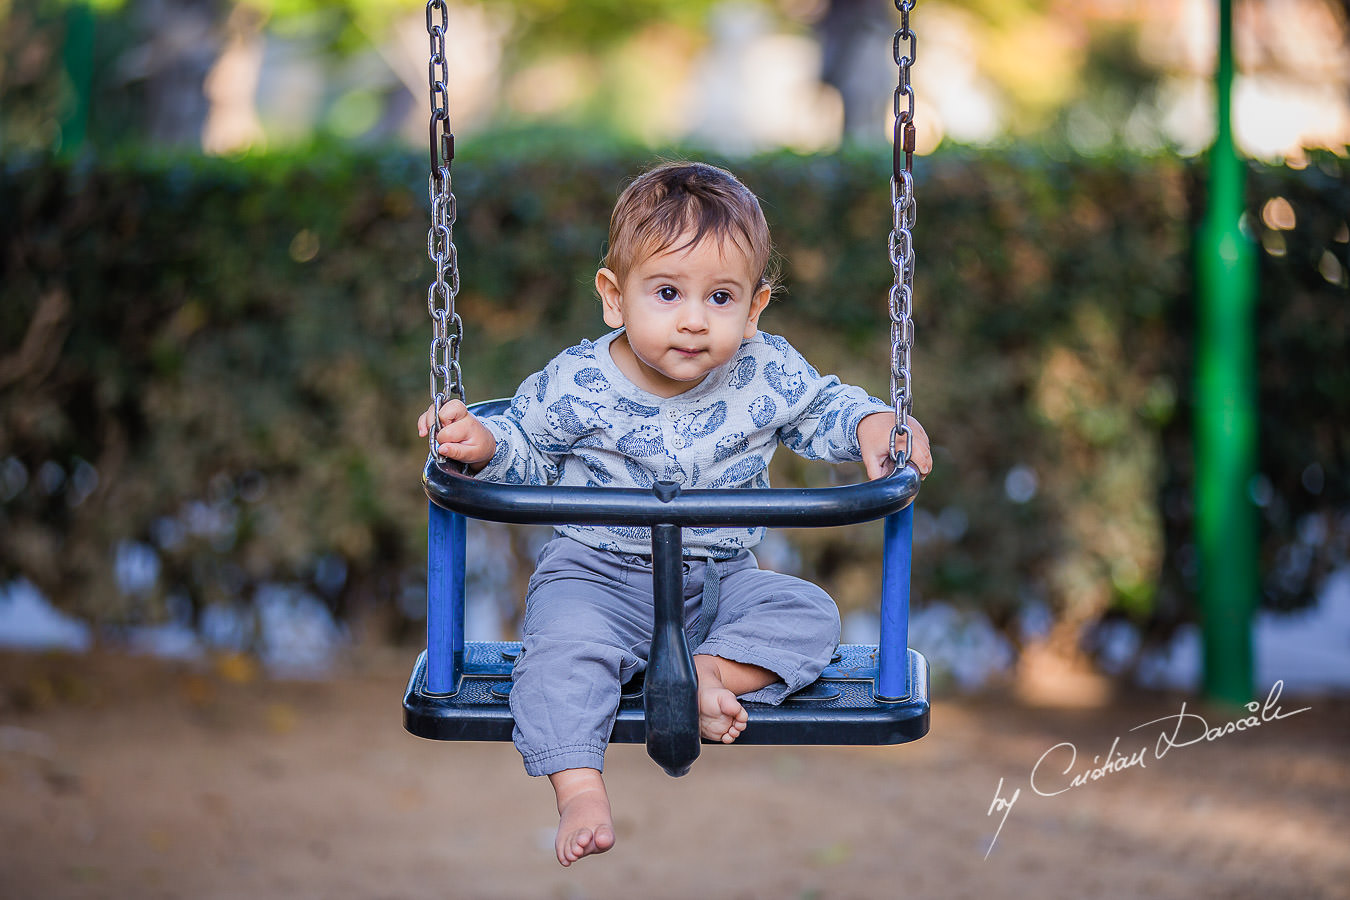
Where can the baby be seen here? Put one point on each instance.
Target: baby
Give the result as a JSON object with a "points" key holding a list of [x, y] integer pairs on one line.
{"points": [[685, 389]]}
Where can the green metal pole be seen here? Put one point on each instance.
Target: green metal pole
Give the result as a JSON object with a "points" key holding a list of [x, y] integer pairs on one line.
{"points": [[78, 58], [1225, 416]]}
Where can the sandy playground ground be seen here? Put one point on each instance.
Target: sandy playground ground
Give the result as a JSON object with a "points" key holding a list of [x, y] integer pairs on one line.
{"points": [[133, 778]]}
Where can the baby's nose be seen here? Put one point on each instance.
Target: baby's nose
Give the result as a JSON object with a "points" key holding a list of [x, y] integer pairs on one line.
{"points": [[693, 317]]}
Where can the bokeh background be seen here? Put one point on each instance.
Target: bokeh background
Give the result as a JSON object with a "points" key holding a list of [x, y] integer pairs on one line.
{"points": [[213, 349], [213, 330]]}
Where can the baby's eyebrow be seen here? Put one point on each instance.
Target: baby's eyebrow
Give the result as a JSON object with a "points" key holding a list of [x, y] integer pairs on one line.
{"points": [[729, 283]]}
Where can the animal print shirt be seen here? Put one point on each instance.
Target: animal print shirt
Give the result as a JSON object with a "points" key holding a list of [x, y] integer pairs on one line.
{"points": [[580, 421]]}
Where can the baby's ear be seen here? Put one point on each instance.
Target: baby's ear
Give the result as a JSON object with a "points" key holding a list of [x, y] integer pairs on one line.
{"points": [[607, 286], [757, 304]]}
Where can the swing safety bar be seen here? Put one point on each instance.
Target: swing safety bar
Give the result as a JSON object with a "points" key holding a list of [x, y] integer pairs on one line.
{"points": [[666, 504], [894, 678]]}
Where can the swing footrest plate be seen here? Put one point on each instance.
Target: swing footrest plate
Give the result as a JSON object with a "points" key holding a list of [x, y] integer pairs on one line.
{"points": [[840, 708]]}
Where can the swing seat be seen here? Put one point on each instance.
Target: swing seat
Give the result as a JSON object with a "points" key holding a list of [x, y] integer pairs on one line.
{"points": [[839, 708], [868, 695]]}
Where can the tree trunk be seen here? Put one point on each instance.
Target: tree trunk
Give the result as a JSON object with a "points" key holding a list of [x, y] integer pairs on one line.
{"points": [[855, 39], [182, 39]]}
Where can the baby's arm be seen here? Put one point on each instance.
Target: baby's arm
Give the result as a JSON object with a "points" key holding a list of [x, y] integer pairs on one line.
{"points": [[874, 436], [461, 437]]}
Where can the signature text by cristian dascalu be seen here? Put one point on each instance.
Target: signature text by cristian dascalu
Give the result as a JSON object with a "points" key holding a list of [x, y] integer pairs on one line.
{"points": [[1060, 770]]}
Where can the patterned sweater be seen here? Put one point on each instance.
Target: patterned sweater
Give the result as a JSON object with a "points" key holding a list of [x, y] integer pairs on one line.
{"points": [[580, 421]]}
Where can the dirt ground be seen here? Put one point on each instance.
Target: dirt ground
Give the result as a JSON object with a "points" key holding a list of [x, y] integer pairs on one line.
{"points": [[131, 778]]}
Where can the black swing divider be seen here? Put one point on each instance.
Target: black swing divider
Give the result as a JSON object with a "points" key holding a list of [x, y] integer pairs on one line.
{"points": [[867, 695]]}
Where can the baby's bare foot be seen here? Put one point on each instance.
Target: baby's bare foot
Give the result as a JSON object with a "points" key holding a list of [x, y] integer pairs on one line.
{"points": [[585, 824], [720, 715]]}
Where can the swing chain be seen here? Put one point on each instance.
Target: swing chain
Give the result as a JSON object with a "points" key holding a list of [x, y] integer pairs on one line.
{"points": [[447, 327], [904, 51]]}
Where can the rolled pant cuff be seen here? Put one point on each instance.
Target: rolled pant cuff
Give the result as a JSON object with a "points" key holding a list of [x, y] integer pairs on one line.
{"points": [[574, 756], [794, 673]]}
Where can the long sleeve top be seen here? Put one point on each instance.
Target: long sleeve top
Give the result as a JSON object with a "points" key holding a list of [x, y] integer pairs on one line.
{"points": [[580, 421]]}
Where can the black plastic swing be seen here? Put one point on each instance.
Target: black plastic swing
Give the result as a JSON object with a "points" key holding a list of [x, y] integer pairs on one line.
{"points": [[867, 695]]}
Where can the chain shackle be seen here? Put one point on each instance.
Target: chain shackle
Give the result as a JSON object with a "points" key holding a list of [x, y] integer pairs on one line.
{"points": [[446, 379], [904, 49]]}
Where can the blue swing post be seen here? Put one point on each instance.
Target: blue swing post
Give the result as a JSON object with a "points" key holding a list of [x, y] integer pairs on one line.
{"points": [[893, 668], [445, 601]]}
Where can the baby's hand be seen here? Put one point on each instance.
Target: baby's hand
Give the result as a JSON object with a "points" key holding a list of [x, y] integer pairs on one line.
{"points": [[461, 436], [874, 435]]}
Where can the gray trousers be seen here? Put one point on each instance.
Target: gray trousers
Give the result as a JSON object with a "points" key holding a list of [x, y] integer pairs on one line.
{"points": [[588, 630]]}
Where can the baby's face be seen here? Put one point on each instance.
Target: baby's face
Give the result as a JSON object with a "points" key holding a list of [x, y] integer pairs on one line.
{"points": [[685, 312]]}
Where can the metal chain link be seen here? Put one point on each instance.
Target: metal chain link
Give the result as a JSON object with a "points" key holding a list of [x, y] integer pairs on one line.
{"points": [[446, 379], [447, 327], [902, 234]]}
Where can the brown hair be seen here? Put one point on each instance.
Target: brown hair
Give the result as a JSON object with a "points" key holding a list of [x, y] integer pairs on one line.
{"points": [[678, 198]]}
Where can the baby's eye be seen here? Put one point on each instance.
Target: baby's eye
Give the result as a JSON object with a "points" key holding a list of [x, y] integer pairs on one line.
{"points": [[720, 298], [668, 293]]}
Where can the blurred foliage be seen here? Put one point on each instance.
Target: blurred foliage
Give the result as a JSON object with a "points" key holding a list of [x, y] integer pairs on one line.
{"points": [[39, 43], [1086, 76], [111, 70], [219, 364], [591, 26]]}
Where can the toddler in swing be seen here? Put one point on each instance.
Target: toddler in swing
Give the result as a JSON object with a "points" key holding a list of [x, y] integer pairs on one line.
{"points": [[686, 389]]}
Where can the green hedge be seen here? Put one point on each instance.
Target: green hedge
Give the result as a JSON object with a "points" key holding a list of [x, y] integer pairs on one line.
{"points": [[222, 360]]}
